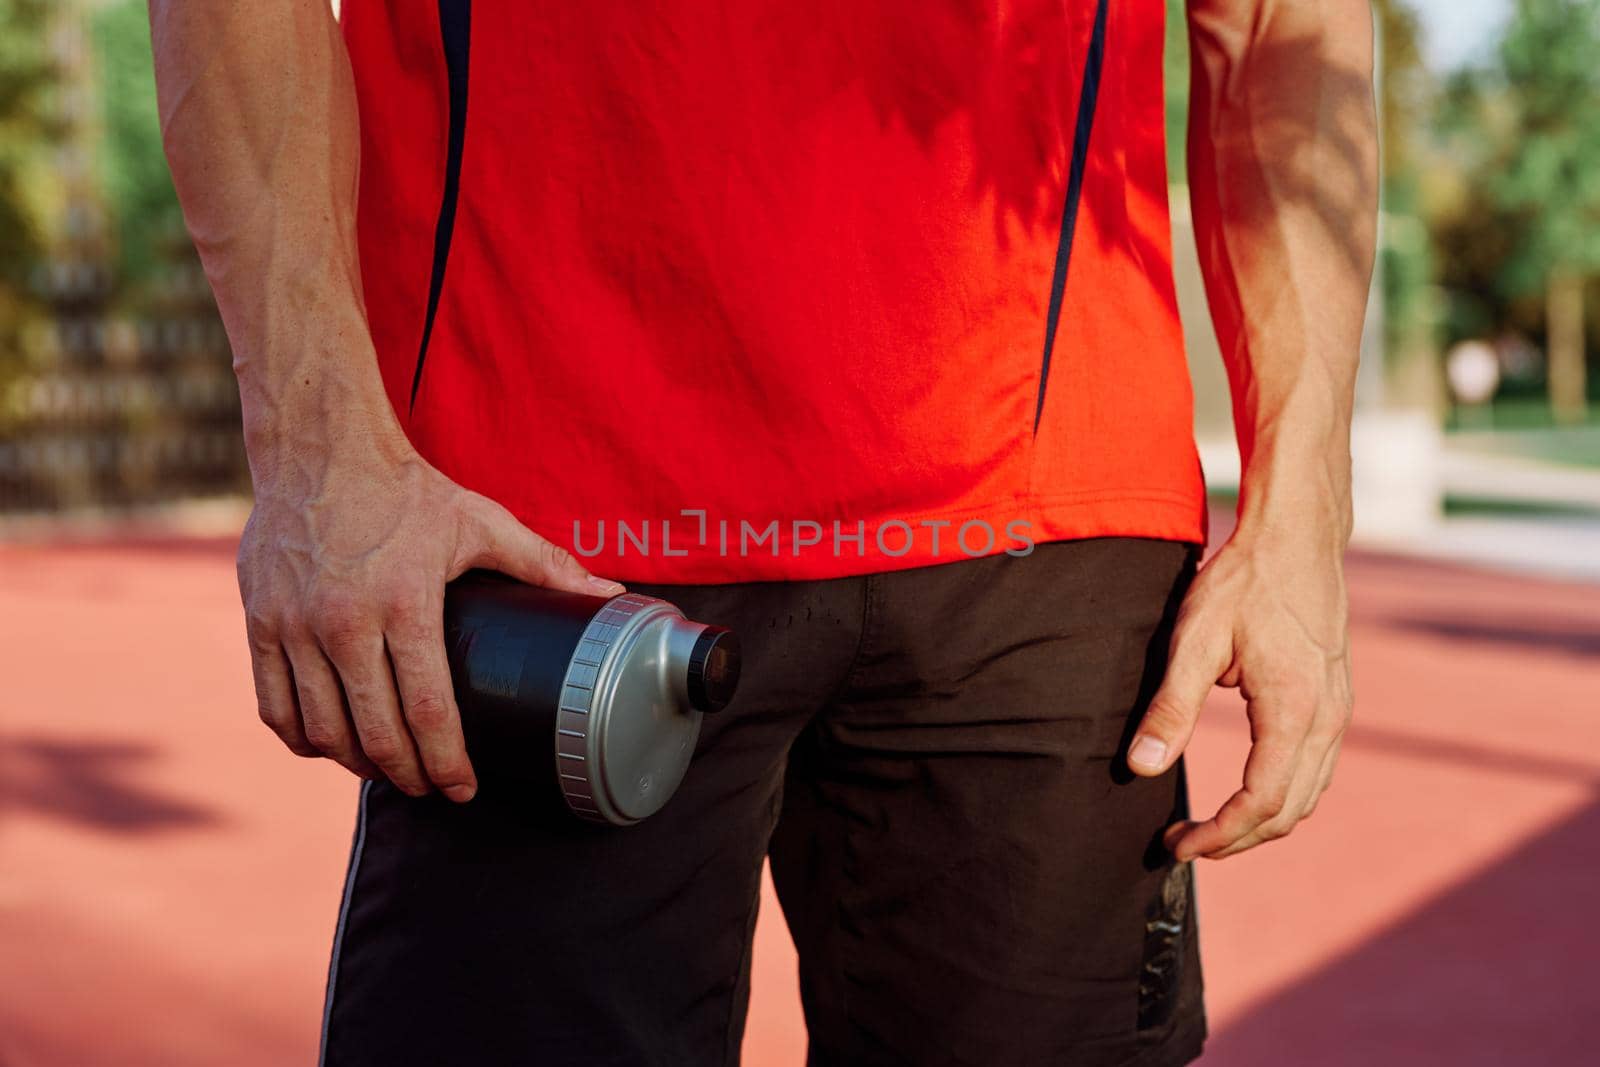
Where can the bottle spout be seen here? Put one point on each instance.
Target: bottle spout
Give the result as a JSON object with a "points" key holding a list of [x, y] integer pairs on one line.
{"points": [[713, 669]]}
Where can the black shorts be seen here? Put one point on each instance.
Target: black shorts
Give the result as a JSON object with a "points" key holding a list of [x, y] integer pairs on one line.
{"points": [[933, 760]]}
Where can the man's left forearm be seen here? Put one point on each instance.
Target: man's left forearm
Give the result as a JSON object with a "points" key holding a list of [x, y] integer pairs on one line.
{"points": [[1283, 183]]}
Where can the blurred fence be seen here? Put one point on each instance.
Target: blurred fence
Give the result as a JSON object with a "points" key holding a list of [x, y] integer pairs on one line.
{"points": [[113, 410], [116, 390]]}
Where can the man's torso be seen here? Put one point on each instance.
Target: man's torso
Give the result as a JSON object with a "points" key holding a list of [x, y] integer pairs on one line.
{"points": [[789, 265]]}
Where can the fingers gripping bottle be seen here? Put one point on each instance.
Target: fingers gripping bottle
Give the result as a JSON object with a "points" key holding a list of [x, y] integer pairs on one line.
{"points": [[593, 702]]}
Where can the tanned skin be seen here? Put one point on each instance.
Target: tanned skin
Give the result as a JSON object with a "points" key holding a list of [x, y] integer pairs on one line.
{"points": [[1283, 186], [343, 563], [344, 560]]}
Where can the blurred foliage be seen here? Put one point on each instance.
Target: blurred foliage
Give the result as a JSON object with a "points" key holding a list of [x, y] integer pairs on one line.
{"points": [[1177, 87], [144, 213], [1491, 187], [144, 208], [1549, 82], [1514, 184], [26, 132], [1405, 85], [1406, 92], [1406, 262], [1491, 175], [115, 379], [130, 176]]}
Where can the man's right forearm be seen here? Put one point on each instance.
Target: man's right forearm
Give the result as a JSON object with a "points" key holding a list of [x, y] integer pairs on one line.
{"points": [[259, 120], [343, 564]]}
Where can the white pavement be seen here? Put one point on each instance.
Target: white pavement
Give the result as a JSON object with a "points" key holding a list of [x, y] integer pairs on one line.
{"points": [[1564, 544]]}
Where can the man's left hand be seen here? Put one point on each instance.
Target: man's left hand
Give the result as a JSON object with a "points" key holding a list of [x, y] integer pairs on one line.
{"points": [[1268, 616]]}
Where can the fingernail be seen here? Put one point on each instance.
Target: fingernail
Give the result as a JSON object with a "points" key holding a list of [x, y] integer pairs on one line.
{"points": [[460, 793], [604, 586], [1148, 752]]}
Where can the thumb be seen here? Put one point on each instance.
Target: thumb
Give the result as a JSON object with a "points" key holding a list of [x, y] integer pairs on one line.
{"points": [[499, 542], [1169, 722]]}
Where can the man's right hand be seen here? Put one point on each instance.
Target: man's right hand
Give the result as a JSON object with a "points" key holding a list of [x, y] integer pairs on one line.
{"points": [[342, 569], [345, 558]]}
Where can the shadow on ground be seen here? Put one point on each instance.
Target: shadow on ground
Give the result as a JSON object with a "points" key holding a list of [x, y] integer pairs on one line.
{"points": [[91, 783], [1500, 969], [1576, 637]]}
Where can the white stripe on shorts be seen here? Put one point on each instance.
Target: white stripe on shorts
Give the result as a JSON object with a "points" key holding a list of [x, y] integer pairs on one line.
{"points": [[344, 915]]}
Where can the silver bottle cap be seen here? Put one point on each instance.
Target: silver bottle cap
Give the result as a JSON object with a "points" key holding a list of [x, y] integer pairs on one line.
{"points": [[627, 723]]}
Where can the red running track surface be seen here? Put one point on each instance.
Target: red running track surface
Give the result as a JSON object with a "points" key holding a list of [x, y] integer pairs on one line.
{"points": [[169, 876]]}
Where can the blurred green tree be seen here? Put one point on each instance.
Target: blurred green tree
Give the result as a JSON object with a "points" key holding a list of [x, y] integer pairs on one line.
{"points": [[138, 188], [26, 129], [1176, 83], [1524, 220], [1550, 63], [1406, 92]]}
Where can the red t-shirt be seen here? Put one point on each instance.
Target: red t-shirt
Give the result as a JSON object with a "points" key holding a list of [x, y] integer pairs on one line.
{"points": [[749, 289]]}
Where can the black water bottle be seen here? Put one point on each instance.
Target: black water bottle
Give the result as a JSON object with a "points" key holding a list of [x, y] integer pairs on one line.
{"points": [[593, 702]]}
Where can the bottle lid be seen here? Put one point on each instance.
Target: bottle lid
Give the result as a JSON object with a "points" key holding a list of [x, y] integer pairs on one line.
{"points": [[631, 704], [714, 664]]}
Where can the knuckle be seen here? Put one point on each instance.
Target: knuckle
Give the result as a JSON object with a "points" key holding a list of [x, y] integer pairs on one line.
{"points": [[1278, 829], [292, 627], [276, 719], [428, 712], [334, 616], [325, 738], [261, 626], [262, 644], [342, 636], [383, 747], [554, 557], [405, 600], [333, 610], [1162, 708], [1166, 711], [1267, 808]]}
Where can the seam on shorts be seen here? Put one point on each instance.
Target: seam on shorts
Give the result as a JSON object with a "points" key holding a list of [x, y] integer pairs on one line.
{"points": [[356, 848], [730, 1055], [871, 589]]}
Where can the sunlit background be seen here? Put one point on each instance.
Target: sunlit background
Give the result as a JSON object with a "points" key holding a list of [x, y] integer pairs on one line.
{"points": [[169, 878]]}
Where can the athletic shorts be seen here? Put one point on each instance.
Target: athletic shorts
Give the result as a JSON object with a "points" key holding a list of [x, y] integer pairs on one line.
{"points": [[934, 762]]}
